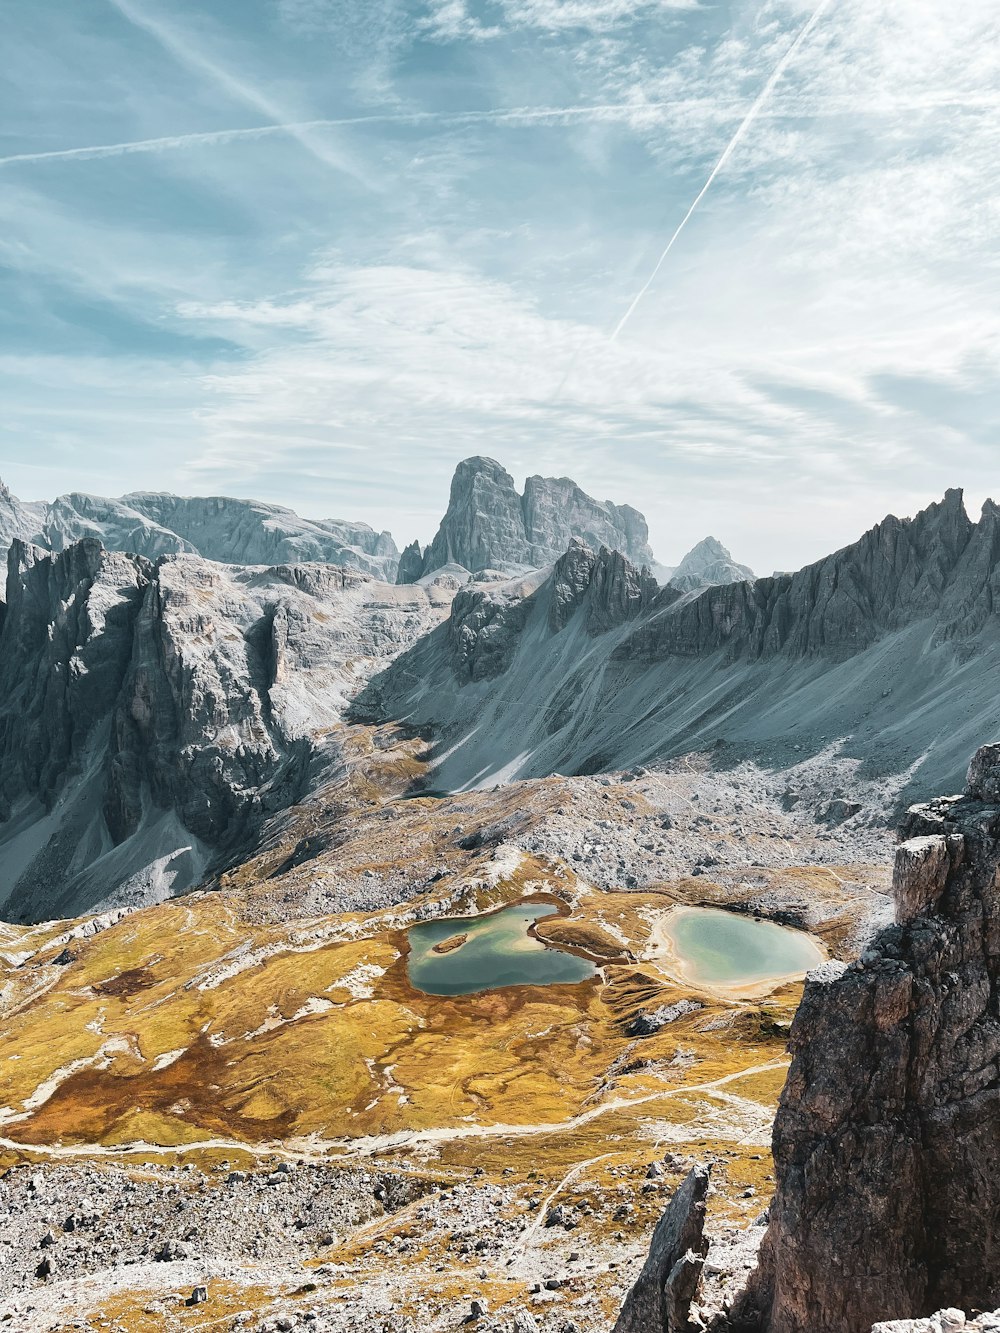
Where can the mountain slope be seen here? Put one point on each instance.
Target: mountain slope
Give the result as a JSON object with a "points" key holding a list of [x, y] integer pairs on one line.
{"points": [[890, 645], [151, 712]]}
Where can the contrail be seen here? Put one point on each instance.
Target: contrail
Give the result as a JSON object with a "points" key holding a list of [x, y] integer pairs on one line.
{"points": [[499, 115], [515, 116], [187, 54], [747, 121]]}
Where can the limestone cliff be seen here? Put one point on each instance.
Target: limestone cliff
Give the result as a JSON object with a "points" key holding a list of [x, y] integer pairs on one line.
{"points": [[150, 712], [231, 531], [890, 644], [488, 525], [888, 1132]]}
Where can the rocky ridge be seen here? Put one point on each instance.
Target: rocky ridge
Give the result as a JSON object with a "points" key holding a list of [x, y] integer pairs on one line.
{"points": [[888, 645], [153, 524]]}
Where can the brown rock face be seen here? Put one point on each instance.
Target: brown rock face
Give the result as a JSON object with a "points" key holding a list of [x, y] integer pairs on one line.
{"points": [[887, 1138]]}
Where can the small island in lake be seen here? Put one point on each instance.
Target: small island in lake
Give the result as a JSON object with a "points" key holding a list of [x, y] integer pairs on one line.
{"points": [[451, 943]]}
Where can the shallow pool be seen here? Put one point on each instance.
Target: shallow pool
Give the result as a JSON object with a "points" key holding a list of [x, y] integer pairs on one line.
{"points": [[488, 952], [711, 947]]}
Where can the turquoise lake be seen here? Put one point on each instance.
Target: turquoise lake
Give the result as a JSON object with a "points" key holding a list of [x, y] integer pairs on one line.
{"points": [[716, 948], [498, 952]]}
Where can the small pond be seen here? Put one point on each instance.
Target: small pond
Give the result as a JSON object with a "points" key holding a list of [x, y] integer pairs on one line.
{"points": [[711, 947], [480, 953]]}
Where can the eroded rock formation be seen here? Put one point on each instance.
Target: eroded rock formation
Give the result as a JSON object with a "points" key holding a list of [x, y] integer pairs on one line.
{"points": [[488, 525], [156, 523], [889, 643], [150, 711], [888, 1132], [660, 1300]]}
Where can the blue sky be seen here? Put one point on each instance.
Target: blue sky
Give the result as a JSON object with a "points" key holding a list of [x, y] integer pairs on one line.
{"points": [[317, 251]]}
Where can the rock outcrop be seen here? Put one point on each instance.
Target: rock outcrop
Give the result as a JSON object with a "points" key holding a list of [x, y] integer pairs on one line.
{"points": [[151, 712], [154, 524], [556, 511], [488, 525], [708, 564], [901, 571], [18, 520], [411, 564], [888, 1132], [660, 1300]]}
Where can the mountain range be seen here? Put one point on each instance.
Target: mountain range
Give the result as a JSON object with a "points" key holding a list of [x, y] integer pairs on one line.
{"points": [[240, 787], [155, 708], [888, 646]]}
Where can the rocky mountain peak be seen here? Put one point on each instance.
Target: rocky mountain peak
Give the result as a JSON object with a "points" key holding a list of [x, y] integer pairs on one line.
{"points": [[706, 564], [888, 1130], [411, 564], [152, 712], [614, 590], [231, 531], [488, 525]]}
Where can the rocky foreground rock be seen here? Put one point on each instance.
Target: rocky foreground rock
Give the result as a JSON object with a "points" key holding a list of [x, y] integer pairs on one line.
{"points": [[888, 1132], [887, 1136]]}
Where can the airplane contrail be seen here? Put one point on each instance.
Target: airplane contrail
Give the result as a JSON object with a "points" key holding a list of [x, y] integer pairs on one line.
{"points": [[745, 124], [502, 115], [514, 116], [187, 54]]}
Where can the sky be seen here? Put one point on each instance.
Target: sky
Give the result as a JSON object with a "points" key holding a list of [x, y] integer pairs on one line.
{"points": [[317, 251]]}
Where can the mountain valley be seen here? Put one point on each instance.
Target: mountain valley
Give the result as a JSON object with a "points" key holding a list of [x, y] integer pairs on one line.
{"points": [[229, 791]]}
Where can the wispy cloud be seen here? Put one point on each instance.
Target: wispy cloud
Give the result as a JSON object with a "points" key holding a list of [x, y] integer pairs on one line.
{"points": [[823, 347], [451, 20], [183, 48]]}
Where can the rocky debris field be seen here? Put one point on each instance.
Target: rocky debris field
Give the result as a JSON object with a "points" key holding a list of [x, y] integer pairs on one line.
{"points": [[363, 846], [653, 824], [70, 1221], [340, 1249]]}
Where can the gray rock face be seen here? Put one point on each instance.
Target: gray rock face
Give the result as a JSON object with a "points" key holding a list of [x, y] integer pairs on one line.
{"points": [[231, 531], [707, 564], [488, 525], [660, 1301], [483, 527], [247, 532], [486, 622], [889, 642], [18, 520], [150, 713], [556, 511], [411, 564], [901, 571], [65, 644], [888, 1131], [612, 590]]}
